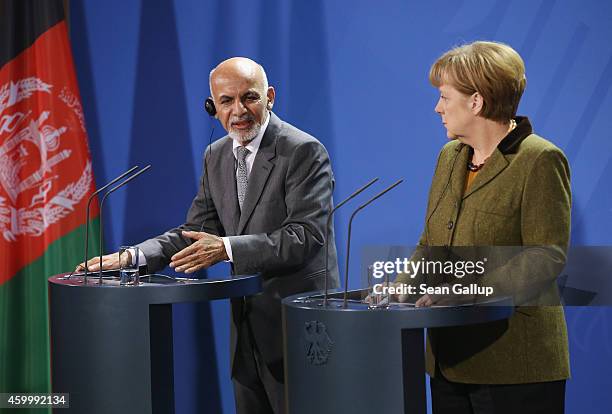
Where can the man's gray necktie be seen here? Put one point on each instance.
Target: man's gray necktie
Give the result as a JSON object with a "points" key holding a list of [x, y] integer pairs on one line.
{"points": [[242, 175]]}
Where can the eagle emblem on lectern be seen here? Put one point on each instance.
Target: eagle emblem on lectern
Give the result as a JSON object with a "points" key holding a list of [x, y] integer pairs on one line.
{"points": [[318, 342]]}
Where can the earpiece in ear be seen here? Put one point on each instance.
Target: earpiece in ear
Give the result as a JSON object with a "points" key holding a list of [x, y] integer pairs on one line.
{"points": [[209, 107]]}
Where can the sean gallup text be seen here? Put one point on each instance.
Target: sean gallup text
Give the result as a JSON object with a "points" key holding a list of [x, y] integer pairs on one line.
{"points": [[423, 289]]}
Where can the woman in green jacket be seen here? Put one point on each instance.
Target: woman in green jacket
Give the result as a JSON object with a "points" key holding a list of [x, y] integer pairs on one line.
{"points": [[496, 183]]}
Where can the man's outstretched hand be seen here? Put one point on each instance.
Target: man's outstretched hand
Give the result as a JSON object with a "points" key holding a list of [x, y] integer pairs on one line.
{"points": [[109, 262], [206, 250]]}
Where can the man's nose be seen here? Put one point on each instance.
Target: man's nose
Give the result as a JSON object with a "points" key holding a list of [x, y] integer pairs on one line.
{"points": [[239, 107]]}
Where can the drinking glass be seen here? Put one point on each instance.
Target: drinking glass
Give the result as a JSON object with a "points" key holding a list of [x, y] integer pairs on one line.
{"points": [[128, 271]]}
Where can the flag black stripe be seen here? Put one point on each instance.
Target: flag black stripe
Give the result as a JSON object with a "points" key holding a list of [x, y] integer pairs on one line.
{"points": [[23, 21]]}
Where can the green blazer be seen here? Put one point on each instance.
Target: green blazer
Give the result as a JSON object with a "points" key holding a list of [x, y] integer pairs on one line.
{"points": [[521, 197]]}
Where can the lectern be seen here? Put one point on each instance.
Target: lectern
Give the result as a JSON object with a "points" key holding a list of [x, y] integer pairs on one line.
{"points": [[362, 361], [111, 345]]}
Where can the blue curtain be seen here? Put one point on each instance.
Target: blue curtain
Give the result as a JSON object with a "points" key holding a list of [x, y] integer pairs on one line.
{"points": [[353, 74]]}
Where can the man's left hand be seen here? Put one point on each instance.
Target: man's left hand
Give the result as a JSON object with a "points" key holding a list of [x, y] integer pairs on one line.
{"points": [[206, 250]]}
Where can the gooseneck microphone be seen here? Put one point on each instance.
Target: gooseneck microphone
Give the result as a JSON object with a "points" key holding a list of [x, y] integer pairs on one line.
{"points": [[329, 218], [89, 200], [207, 152], [348, 242], [109, 192]]}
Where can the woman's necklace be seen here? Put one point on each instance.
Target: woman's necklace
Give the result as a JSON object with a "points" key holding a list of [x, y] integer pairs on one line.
{"points": [[477, 167], [473, 167]]}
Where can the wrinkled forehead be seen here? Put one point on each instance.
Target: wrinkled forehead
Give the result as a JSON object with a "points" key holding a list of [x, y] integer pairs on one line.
{"points": [[238, 77]]}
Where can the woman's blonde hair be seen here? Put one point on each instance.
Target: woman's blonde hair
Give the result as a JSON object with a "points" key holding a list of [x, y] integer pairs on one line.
{"points": [[494, 70]]}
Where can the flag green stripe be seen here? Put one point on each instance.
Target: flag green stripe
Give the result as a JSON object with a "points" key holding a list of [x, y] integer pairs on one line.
{"points": [[24, 326]]}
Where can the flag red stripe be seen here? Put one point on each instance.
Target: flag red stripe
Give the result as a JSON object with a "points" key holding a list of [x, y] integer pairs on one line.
{"points": [[45, 168]]}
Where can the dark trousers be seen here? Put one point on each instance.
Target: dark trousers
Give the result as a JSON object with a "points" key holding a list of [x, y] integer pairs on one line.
{"points": [[541, 397], [256, 391]]}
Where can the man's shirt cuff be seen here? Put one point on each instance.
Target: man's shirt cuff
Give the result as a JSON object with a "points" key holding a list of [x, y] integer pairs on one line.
{"points": [[142, 260], [228, 248]]}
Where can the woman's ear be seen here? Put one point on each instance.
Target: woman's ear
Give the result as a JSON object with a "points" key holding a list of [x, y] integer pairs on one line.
{"points": [[476, 103]]}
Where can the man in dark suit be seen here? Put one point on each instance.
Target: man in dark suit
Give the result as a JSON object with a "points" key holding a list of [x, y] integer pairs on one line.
{"points": [[262, 204]]}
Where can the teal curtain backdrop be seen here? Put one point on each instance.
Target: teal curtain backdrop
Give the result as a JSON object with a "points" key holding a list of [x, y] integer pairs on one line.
{"points": [[354, 74]]}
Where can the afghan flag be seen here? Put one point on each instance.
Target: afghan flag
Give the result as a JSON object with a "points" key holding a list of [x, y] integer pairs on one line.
{"points": [[45, 180]]}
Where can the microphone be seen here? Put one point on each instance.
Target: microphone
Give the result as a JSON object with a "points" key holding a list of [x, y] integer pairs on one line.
{"points": [[206, 156], [211, 110], [89, 200], [109, 192], [329, 218], [348, 242]]}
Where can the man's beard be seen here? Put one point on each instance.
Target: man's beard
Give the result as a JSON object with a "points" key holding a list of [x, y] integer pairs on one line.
{"points": [[244, 137]]}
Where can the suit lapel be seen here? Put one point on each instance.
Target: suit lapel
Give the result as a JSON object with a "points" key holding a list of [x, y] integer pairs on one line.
{"points": [[262, 167], [458, 173], [496, 164], [229, 184]]}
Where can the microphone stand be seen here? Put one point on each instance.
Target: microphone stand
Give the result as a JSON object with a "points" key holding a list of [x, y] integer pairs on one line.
{"points": [[348, 243], [329, 218], [89, 200], [124, 182]]}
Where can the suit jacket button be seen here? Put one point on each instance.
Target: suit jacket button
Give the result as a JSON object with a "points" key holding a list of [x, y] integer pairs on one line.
{"points": [[450, 225]]}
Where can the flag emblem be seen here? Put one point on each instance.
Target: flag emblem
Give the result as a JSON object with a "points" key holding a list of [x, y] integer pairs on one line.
{"points": [[32, 146]]}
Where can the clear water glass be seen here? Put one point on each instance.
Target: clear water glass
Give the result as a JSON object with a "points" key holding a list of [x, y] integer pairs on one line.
{"points": [[128, 270]]}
